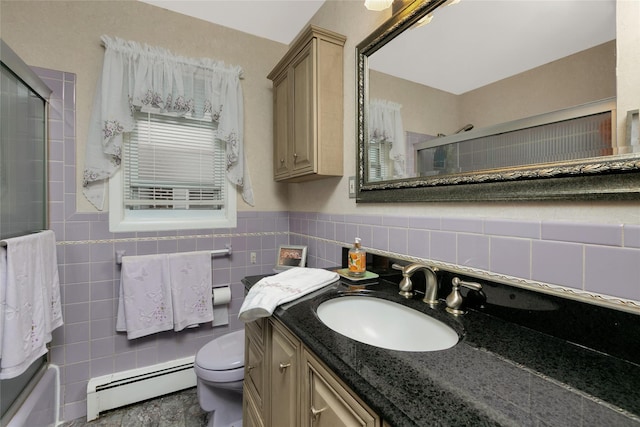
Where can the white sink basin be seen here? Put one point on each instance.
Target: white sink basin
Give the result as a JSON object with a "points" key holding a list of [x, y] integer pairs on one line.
{"points": [[385, 324]]}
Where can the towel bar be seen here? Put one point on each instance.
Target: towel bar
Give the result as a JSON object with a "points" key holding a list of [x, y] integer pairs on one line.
{"points": [[226, 251]]}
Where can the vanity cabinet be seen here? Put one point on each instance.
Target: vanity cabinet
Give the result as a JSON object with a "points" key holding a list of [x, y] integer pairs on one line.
{"points": [[308, 108], [297, 389]]}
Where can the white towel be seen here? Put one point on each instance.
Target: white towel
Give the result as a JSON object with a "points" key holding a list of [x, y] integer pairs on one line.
{"points": [[31, 300], [51, 279], [144, 306], [191, 288], [263, 297]]}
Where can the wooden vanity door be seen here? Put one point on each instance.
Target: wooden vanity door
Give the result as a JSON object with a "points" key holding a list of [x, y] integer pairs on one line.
{"points": [[326, 403], [254, 374], [283, 371]]}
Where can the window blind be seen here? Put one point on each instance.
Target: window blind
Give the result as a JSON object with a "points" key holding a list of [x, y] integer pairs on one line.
{"points": [[380, 165], [173, 162]]}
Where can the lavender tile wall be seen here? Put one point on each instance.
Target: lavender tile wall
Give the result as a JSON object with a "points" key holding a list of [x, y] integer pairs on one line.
{"points": [[598, 258]]}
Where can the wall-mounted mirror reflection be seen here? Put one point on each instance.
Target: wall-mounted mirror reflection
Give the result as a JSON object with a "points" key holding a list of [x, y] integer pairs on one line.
{"points": [[480, 85]]}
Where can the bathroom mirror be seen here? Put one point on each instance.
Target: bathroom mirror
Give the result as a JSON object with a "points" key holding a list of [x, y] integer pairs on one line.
{"points": [[492, 100]]}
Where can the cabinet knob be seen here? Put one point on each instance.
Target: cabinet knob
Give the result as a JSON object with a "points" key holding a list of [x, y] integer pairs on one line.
{"points": [[281, 160], [284, 366], [295, 157], [315, 413]]}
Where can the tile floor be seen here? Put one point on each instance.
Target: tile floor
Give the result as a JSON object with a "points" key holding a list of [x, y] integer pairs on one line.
{"points": [[173, 410]]}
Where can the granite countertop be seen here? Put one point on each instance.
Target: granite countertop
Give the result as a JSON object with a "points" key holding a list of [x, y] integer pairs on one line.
{"points": [[499, 373]]}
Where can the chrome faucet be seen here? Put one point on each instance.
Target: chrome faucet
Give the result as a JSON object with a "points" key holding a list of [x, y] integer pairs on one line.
{"points": [[431, 281]]}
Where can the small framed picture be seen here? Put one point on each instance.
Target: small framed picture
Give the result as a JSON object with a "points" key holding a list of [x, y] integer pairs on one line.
{"points": [[291, 256]]}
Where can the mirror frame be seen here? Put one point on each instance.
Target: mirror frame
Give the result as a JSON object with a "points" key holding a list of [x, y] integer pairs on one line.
{"points": [[600, 178]]}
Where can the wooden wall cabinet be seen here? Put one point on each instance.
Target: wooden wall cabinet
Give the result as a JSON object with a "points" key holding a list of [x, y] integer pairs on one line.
{"points": [[292, 387], [308, 108]]}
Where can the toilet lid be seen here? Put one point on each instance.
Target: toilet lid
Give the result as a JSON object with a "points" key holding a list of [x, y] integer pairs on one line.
{"points": [[223, 353]]}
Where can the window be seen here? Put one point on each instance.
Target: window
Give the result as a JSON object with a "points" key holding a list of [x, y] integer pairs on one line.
{"points": [[378, 160], [172, 176]]}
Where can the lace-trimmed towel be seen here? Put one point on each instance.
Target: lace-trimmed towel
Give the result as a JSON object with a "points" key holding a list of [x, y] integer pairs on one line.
{"points": [[30, 300], [191, 288], [271, 291], [145, 306]]}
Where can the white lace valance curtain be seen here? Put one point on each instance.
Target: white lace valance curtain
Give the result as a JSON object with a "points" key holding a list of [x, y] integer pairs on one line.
{"points": [[136, 76], [385, 125]]}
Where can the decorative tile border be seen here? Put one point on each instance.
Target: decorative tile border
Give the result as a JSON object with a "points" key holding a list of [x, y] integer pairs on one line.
{"points": [[169, 238]]}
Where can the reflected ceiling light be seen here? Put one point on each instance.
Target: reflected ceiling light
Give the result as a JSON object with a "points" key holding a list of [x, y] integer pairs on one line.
{"points": [[426, 19], [423, 21], [377, 5]]}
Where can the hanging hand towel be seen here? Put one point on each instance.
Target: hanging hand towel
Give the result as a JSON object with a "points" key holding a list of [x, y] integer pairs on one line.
{"points": [[31, 302], [191, 288], [51, 280], [271, 291], [144, 306]]}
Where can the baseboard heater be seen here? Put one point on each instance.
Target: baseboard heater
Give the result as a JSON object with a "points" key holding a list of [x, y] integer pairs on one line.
{"points": [[127, 387]]}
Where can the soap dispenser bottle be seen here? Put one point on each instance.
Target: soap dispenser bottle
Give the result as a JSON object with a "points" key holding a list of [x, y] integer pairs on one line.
{"points": [[357, 260]]}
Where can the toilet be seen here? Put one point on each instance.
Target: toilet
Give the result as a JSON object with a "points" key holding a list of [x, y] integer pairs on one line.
{"points": [[219, 367]]}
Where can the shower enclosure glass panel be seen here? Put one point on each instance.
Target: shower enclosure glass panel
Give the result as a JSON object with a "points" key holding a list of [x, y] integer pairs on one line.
{"points": [[23, 182], [22, 158]]}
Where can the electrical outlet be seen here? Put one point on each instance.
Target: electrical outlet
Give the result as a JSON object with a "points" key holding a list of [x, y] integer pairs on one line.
{"points": [[253, 258], [352, 187]]}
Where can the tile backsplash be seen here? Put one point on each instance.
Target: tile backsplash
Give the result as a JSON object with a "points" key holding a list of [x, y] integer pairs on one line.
{"points": [[601, 259], [597, 259]]}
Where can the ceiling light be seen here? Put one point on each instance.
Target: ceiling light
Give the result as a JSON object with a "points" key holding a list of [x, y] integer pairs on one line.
{"points": [[377, 5]]}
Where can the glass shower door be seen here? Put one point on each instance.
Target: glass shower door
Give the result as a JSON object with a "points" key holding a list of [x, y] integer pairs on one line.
{"points": [[23, 182]]}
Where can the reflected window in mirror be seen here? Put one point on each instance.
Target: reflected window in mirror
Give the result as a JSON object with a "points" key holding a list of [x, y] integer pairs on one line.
{"points": [[387, 146]]}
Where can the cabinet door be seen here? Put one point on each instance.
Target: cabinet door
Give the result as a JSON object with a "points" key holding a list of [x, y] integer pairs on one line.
{"points": [[254, 376], [281, 127], [251, 416], [326, 403], [283, 373], [303, 110]]}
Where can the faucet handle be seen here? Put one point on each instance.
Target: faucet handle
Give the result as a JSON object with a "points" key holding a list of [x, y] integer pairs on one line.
{"points": [[397, 267], [454, 300], [405, 286]]}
